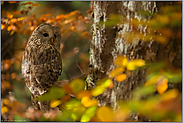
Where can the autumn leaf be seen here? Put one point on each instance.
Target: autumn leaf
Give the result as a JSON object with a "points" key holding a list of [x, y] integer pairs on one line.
{"points": [[84, 94], [162, 84], [121, 61], [67, 88], [98, 90], [35, 5], [17, 12], [87, 102], [152, 80], [55, 103], [105, 114], [11, 2], [9, 28], [77, 85], [9, 15], [132, 65], [90, 112], [170, 94], [121, 77], [2, 26], [116, 71]]}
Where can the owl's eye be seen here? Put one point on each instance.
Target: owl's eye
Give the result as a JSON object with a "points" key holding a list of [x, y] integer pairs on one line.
{"points": [[45, 35], [55, 36]]}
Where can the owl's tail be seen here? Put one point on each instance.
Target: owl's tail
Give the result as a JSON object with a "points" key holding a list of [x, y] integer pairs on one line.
{"points": [[40, 105]]}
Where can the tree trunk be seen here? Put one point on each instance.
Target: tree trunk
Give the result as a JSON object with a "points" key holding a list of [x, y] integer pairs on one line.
{"points": [[107, 44]]}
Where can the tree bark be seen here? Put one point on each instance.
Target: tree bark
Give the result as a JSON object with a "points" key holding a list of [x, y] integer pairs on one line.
{"points": [[107, 44]]}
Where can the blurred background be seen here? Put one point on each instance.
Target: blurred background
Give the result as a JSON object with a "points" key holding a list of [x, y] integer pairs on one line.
{"points": [[18, 20]]}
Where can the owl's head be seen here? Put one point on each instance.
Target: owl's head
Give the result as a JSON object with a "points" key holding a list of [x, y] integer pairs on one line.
{"points": [[48, 34]]}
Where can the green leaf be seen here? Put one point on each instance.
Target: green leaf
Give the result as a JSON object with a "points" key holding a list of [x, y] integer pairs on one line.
{"points": [[90, 112], [143, 91], [173, 77], [77, 85], [53, 94]]}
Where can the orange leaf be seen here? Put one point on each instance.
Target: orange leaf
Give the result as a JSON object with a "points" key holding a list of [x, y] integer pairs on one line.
{"points": [[65, 98], [105, 114], [13, 20], [2, 2], [67, 88], [36, 5], [162, 84], [121, 77], [111, 85], [17, 12], [13, 75], [84, 94], [10, 27], [8, 15], [116, 72], [60, 16], [87, 102], [11, 2], [32, 28], [29, 3]]}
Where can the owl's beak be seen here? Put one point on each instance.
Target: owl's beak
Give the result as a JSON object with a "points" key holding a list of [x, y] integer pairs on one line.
{"points": [[51, 41]]}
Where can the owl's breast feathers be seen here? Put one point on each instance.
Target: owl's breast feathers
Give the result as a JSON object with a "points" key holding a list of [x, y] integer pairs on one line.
{"points": [[41, 67]]}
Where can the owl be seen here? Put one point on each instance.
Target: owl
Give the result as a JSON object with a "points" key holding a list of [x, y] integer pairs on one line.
{"points": [[42, 63]]}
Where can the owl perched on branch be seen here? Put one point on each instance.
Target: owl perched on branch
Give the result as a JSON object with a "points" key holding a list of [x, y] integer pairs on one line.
{"points": [[42, 63]]}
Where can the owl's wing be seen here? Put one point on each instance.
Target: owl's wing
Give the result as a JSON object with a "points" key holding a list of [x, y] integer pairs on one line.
{"points": [[48, 67]]}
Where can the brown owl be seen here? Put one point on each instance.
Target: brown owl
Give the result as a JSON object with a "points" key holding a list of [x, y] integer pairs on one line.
{"points": [[42, 63]]}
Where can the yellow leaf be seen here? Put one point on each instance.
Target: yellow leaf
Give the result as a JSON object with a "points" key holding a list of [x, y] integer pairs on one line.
{"points": [[4, 110], [152, 80], [98, 90], [132, 65], [87, 102], [116, 72], [121, 77], [170, 94], [21, 18], [55, 103], [2, 26], [162, 84], [12, 32], [105, 114], [121, 61]]}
